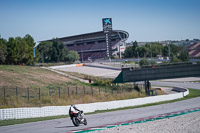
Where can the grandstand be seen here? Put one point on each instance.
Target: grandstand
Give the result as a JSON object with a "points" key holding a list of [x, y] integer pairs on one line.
{"points": [[92, 46]]}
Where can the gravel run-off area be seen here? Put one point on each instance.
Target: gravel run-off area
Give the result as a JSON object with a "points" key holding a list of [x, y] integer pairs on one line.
{"points": [[188, 123]]}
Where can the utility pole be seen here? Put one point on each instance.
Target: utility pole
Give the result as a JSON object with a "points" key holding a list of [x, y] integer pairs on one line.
{"points": [[169, 51], [119, 52], [81, 53], [151, 51]]}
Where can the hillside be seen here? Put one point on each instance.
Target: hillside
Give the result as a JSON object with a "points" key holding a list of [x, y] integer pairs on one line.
{"points": [[28, 86], [27, 76]]}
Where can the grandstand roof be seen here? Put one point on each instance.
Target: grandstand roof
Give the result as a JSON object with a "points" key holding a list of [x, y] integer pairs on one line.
{"points": [[90, 36]]}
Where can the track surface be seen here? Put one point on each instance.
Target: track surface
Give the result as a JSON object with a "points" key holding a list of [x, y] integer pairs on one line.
{"points": [[177, 84], [65, 125]]}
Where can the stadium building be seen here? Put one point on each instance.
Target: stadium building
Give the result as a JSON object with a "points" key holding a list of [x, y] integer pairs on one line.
{"points": [[91, 46]]}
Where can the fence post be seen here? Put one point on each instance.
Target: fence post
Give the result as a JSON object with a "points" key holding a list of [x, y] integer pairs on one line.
{"points": [[16, 93], [99, 91], [84, 90], [112, 89], [28, 94], [59, 92], [49, 92], [4, 95], [39, 93], [92, 90], [68, 91]]}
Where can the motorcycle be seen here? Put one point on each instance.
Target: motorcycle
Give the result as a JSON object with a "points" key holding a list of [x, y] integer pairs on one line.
{"points": [[78, 118]]}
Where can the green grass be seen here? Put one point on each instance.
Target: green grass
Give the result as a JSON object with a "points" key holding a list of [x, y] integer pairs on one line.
{"points": [[193, 93], [21, 121]]}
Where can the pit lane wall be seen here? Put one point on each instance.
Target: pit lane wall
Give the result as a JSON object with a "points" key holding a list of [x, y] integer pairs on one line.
{"points": [[33, 112]]}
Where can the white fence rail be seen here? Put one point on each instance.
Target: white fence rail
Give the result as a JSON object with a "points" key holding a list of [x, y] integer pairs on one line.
{"points": [[33, 112]]}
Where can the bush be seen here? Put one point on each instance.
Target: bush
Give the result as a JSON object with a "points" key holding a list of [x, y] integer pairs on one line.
{"points": [[175, 59], [152, 62], [144, 62], [102, 82], [137, 88]]}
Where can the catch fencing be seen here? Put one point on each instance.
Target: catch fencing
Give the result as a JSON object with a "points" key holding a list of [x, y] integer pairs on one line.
{"points": [[30, 94]]}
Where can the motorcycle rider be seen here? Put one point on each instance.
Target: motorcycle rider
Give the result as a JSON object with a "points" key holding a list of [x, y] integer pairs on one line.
{"points": [[73, 108]]}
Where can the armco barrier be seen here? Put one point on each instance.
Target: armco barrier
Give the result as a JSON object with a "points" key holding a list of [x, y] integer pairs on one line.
{"points": [[20, 113]]}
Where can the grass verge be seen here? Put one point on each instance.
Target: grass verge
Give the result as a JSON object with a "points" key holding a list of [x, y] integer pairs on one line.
{"points": [[193, 93]]}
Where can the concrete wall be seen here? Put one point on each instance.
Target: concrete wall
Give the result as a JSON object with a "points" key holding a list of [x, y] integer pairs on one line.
{"points": [[20, 113]]}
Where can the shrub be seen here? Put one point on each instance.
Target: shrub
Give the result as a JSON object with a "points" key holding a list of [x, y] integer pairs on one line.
{"points": [[144, 62]]}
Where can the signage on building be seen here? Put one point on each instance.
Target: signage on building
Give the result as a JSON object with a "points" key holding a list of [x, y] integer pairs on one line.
{"points": [[122, 48], [107, 24]]}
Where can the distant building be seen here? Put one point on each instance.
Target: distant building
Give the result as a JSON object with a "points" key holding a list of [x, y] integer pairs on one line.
{"points": [[194, 50]]}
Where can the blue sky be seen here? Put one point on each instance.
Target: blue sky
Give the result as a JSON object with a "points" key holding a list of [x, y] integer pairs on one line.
{"points": [[145, 20]]}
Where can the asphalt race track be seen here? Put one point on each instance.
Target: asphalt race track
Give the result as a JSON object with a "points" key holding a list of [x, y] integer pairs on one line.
{"points": [[177, 84], [65, 125]]}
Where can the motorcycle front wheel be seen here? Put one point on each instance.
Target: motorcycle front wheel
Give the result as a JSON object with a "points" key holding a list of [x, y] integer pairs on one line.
{"points": [[75, 121], [85, 121]]}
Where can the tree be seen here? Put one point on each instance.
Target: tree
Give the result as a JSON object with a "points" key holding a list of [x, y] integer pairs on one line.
{"points": [[174, 50], [45, 49], [148, 50], [134, 49], [131, 51], [13, 51], [29, 59], [20, 50], [156, 49], [72, 56], [184, 56], [3, 51], [165, 51], [142, 51], [59, 52], [128, 52], [55, 51]]}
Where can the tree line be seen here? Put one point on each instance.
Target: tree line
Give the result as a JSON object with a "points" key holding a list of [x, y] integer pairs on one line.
{"points": [[177, 53], [55, 51], [19, 50]]}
